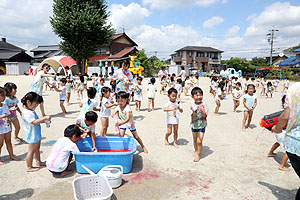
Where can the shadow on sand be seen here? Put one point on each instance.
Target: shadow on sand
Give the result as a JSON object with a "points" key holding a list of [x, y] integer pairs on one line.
{"points": [[278, 158], [138, 118], [206, 151], [21, 194], [278, 192]]}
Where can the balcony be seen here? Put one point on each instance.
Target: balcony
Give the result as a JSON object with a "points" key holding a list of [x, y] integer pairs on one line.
{"points": [[202, 59], [177, 59]]}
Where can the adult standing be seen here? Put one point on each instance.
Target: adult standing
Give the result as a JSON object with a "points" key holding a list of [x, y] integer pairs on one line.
{"points": [[291, 118], [123, 78], [38, 83]]}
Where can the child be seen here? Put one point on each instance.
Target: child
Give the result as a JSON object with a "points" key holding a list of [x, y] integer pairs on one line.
{"points": [[62, 94], [187, 86], [213, 86], [270, 89], [151, 93], [219, 96], [138, 89], [163, 83], [178, 87], [95, 79], [286, 84], [172, 108], [89, 103], [199, 113], [80, 87], [172, 82], [113, 86], [236, 95], [12, 102], [106, 106], [87, 126], [100, 86], [276, 83], [280, 142], [69, 88], [32, 128], [60, 156], [249, 102], [85, 81], [125, 118], [5, 129], [264, 87]]}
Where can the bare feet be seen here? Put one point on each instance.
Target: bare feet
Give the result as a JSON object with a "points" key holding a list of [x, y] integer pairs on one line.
{"points": [[176, 145], [283, 168], [145, 150], [2, 163], [166, 142], [68, 104], [66, 172], [32, 169], [40, 164], [217, 114], [15, 158], [196, 158]]}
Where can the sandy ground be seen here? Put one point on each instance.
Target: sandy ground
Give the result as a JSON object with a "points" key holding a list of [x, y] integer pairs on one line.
{"points": [[233, 163]]}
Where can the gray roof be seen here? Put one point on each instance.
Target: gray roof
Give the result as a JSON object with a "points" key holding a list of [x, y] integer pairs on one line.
{"points": [[199, 48], [5, 55], [7, 46], [46, 48], [49, 54]]}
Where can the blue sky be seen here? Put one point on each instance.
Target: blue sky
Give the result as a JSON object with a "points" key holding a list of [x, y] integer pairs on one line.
{"points": [[238, 27]]}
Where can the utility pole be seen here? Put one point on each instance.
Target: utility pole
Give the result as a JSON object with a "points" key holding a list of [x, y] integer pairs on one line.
{"points": [[271, 40]]}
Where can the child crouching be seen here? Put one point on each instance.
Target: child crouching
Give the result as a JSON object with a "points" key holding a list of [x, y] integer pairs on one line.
{"points": [[60, 156]]}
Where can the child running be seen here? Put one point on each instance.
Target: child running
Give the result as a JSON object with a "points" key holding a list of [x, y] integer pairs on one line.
{"points": [[138, 96], [106, 106], [32, 128], [270, 89], [60, 156], [124, 115], [249, 102], [12, 102], [172, 108], [151, 93], [80, 87], [5, 129], [199, 112], [178, 87], [163, 84], [62, 94], [188, 85], [219, 96], [236, 95]]}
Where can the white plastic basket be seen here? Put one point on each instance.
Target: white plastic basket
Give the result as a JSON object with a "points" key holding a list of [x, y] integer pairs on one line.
{"points": [[92, 187]]}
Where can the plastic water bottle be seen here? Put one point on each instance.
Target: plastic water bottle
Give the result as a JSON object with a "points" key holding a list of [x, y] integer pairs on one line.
{"points": [[48, 123]]}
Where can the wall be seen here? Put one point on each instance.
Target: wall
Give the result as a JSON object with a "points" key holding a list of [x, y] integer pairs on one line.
{"points": [[17, 68]]}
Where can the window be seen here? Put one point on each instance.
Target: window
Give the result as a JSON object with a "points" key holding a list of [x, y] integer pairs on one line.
{"points": [[200, 54], [190, 54]]}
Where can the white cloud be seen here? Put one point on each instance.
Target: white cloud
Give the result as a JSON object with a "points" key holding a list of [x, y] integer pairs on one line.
{"points": [[212, 22], [232, 31], [27, 24], [165, 4], [251, 17], [128, 17]]}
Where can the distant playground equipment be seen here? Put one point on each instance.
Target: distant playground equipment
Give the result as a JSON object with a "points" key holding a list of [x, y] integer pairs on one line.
{"points": [[232, 72], [135, 67], [297, 77], [58, 62], [282, 73], [2, 70]]}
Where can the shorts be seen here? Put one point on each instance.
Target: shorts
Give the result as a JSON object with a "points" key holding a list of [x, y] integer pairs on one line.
{"points": [[132, 130], [202, 130], [151, 98], [132, 94], [13, 118], [62, 100]]}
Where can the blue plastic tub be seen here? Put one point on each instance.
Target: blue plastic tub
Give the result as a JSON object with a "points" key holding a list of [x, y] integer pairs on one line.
{"points": [[95, 161]]}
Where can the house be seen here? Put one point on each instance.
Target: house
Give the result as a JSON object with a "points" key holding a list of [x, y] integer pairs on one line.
{"points": [[197, 59], [293, 61], [13, 59], [42, 52], [280, 57]]}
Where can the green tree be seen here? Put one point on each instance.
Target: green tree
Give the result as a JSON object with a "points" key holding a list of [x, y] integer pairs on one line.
{"points": [[82, 26], [291, 49], [238, 64], [260, 62]]}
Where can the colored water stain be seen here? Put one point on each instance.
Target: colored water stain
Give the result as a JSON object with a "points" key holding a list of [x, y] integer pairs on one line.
{"points": [[50, 143], [112, 151]]}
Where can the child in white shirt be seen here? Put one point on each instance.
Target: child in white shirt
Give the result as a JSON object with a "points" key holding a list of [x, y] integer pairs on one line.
{"points": [[151, 93], [62, 94], [138, 96]]}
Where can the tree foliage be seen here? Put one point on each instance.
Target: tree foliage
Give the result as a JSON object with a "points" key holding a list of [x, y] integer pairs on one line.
{"points": [[237, 63], [260, 62], [82, 26], [291, 49]]}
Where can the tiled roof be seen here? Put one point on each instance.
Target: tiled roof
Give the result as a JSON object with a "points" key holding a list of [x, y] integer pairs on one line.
{"points": [[5, 55], [199, 48], [289, 61], [46, 48], [122, 53], [118, 35], [8, 46], [95, 58]]}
